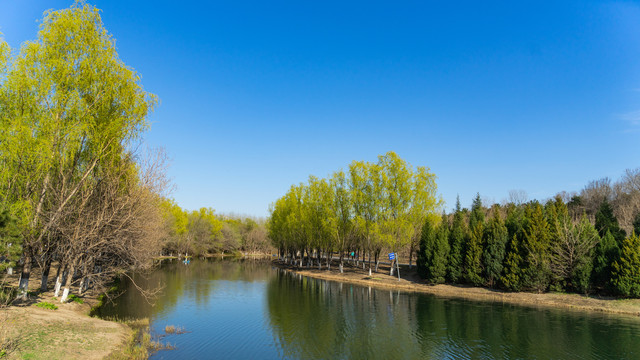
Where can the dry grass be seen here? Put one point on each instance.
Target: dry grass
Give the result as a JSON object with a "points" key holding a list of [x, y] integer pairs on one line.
{"points": [[169, 329], [31, 332]]}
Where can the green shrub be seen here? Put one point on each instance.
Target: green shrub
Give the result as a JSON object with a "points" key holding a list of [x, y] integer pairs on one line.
{"points": [[76, 299], [47, 305]]}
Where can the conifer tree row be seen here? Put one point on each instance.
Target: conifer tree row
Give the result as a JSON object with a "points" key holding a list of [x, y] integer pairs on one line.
{"points": [[531, 247]]}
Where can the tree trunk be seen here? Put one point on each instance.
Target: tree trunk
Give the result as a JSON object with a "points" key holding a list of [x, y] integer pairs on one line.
{"points": [[341, 263], [45, 276], [329, 260], [59, 281], [67, 285], [391, 270], [83, 285], [375, 255], [23, 287]]}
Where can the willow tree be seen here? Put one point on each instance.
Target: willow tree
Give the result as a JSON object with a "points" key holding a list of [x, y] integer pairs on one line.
{"points": [[396, 176], [340, 216], [68, 104], [315, 216], [365, 187], [407, 197]]}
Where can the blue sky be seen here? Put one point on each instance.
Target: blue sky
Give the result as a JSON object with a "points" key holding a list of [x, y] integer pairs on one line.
{"points": [[256, 96]]}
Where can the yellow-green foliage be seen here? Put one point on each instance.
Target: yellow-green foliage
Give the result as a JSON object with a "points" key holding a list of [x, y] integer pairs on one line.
{"points": [[625, 276]]}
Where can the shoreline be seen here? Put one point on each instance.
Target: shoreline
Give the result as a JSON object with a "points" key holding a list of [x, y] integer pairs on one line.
{"points": [[41, 333], [411, 283]]}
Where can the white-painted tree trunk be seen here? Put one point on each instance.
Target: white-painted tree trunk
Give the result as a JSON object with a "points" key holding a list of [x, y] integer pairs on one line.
{"points": [[65, 294], [10, 271], [58, 285], [391, 270], [67, 284], [341, 269]]}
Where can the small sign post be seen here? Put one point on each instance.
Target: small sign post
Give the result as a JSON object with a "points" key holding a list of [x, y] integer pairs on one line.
{"points": [[392, 256]]}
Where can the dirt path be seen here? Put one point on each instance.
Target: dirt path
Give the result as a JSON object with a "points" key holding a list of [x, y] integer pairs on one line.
{"points": [[411, 282], [65, 333]]}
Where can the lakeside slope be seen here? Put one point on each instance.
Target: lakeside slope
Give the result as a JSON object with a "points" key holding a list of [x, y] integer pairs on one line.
{"points": [[66, 333], [411, 282]]}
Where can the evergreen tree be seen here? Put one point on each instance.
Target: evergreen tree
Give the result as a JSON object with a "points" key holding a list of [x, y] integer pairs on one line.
{"points": [[581, 245], [606, 253], [557, 216], [434, 251], [511, 278], [636, 224], [514, 221], [626, 271], [495, 240], [473, 256], [607, 221], [477, 214], [473, 253], [457, 237], [425, 252], [536, 242], [556, 213], [438, 270]]}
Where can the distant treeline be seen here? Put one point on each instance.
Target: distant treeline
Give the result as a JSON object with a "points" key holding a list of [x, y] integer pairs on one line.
{"points": [[202, 232], [574, 242]]}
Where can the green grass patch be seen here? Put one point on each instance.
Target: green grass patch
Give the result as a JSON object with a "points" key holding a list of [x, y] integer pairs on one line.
{"points": [[75, 299], [47, 305]]}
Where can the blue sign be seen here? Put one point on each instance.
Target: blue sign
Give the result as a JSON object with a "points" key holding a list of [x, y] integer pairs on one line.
{"points": [[392, 256]]}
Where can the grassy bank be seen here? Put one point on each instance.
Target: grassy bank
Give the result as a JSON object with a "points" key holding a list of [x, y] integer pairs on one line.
{"points": [[46, 329], [411, 282]]}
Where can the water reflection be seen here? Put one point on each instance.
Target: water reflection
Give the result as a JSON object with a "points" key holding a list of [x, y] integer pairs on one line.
{"points": [[315, 319], [248, 309], [176, 281]]}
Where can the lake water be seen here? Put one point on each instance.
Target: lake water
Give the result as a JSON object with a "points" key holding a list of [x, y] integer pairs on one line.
{"points": [[247, 309]]}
